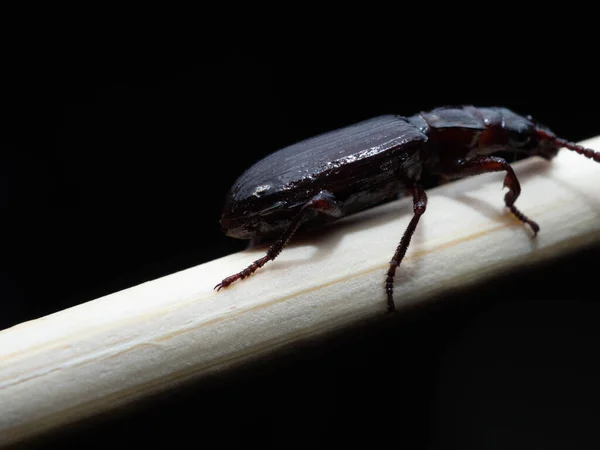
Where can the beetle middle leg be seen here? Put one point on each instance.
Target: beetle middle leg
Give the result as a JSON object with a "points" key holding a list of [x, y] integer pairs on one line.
{"points": [[419, 207], [484, 164], [324, 202]]}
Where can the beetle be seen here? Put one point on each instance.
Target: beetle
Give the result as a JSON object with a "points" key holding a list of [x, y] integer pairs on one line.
{"points": [[342, 172]]}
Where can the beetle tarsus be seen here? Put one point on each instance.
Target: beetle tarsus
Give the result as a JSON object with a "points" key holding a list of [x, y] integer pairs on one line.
{"points": [[523, 218], [244, 273]]}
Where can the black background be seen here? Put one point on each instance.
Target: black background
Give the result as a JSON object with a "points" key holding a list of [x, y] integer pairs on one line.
{"points": [[114, 163]]}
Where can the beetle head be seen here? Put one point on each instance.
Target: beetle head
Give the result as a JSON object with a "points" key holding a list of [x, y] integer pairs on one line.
{"points": [[525, 135], [547, 144]]}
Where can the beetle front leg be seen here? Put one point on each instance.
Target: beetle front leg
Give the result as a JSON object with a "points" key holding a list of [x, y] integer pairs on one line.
{"points": [[324, 202], [419, 207], [484, 164]]}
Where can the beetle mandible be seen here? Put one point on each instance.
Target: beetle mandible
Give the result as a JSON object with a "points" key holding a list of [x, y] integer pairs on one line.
{"points": [[345, 171]]}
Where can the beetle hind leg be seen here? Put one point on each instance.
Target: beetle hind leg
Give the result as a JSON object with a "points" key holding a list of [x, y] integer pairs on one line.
{"points": [[419, 207], [324, 202]]}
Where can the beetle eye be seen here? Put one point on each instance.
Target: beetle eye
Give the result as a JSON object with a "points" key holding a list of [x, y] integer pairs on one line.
{"points": [[519, 138]]}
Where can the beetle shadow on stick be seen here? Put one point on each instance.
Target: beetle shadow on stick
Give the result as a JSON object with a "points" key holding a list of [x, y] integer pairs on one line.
{"points": [[535, 168], [372, 218], [401, 212], [501, 214], [585, 196], [324, 239], [494, 208], [327, 237]]}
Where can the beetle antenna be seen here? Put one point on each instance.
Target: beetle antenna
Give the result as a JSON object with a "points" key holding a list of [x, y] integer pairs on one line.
{"points": [[588, 153]]}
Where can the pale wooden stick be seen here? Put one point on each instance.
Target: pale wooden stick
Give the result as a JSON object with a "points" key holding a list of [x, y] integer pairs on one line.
{"points": [[97, 355]]}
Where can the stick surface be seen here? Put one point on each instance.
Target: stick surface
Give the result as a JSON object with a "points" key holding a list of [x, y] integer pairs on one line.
{"points": [[95, 356]]}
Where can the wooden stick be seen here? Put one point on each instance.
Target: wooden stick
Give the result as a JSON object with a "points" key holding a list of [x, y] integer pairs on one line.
{"points": [[95, 356]]}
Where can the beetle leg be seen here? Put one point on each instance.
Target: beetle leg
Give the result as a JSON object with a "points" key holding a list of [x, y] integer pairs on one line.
{"points": [[483, 164], [419, 206], [324, 202]]}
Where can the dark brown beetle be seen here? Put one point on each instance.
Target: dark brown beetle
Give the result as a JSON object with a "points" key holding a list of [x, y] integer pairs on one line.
{"points": [[357, 167]]}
